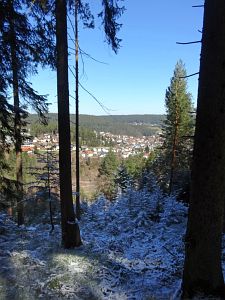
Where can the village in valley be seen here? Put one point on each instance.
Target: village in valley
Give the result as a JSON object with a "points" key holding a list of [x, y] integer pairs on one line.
{"points": [[123, 145]]}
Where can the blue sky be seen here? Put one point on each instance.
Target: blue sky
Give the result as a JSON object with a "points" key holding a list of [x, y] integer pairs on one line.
{"points": [[135, 80]]}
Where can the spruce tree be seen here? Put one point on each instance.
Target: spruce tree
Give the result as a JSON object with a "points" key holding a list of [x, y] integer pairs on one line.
{"points": [[107, 175], [123, 179], [25, 41], [178, 128], [6, 131]]}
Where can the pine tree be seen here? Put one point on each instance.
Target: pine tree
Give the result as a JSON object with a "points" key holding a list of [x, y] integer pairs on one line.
{"points": [[178, 127]]}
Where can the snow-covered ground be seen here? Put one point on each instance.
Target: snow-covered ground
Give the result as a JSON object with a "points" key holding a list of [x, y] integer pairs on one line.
{"points": [[132, 249]]}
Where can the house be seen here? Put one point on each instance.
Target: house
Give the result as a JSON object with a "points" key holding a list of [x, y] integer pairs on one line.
{"points": [[27, 148]]}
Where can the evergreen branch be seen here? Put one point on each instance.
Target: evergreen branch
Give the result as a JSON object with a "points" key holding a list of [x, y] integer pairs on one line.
{"points": [[110, 13]]}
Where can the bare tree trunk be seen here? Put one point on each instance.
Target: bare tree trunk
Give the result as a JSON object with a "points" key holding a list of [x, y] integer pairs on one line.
{"points": [[202, 267], [17, 121], [77, 116], [70, 228]]}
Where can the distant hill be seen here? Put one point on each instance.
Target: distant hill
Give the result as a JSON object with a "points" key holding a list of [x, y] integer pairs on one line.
{"points": [[133, 125], [145, 119]]}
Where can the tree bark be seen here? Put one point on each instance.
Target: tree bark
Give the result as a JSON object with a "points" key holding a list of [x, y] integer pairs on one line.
{"points": [[77, 116], [202, 267], [70, 228]]}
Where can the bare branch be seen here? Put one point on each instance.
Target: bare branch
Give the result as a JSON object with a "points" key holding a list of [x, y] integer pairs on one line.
{"points": [[182, 77], [198, 6], [72, 25], [71, 48], [188, 43], [72, 72], [91, 57], [71, 96], [169, 251], [83, 69], [82, 52], [70, 37], [106, 109]]}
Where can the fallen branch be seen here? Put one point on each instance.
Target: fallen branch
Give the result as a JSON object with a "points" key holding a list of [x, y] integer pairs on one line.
{"points": [[169, 251]]}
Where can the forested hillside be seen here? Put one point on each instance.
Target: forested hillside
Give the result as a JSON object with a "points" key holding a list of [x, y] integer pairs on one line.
{"points": [[132, 125]]}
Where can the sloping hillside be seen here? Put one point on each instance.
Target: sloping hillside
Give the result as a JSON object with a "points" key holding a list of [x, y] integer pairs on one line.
{"points": [[133, 125]]}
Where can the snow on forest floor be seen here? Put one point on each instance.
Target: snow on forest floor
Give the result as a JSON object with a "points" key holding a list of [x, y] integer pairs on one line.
{"points": [[132, 249]]}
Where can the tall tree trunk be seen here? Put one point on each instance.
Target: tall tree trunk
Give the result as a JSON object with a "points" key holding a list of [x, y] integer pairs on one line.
{"points": [[77, 116], [202, 267], [70, 228], [17, 120]]}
